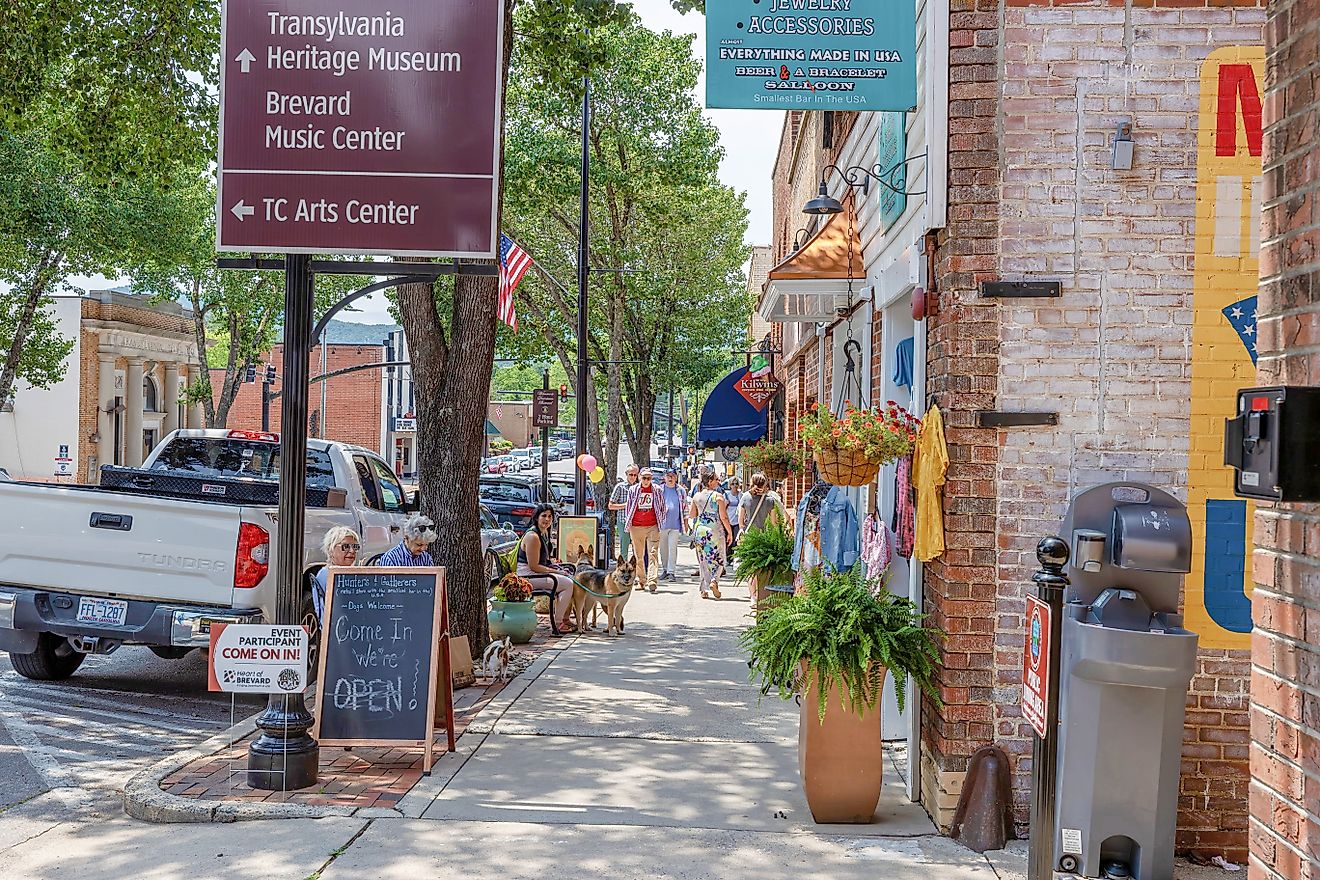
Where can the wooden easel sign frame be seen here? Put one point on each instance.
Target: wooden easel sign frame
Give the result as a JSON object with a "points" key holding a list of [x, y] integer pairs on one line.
{"points": [[372, 637]]}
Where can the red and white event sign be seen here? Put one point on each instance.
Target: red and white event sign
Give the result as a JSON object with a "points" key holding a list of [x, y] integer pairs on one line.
{"points": [[1036, 664], [257, 658]]}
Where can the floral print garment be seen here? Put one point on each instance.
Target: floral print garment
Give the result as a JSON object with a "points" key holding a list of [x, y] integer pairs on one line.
{"points": [[709, 532]]}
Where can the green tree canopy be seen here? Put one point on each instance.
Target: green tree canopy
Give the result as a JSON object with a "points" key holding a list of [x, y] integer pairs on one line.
{"points": [[126, 87], [677, 309]]}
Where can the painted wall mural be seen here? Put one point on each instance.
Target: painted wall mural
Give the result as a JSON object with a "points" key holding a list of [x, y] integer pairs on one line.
{"points": [[1228, 200]]}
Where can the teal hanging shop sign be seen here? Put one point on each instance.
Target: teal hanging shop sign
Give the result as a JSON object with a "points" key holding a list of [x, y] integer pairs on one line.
{"points": [[811, 54]]}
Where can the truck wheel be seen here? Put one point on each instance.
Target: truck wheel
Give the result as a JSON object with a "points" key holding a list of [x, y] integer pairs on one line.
{"points": [[53, 660], [170, 652], [308, 619]]}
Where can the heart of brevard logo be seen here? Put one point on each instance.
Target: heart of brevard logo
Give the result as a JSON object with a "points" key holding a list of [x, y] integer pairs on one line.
{"points": [[1035, 640], [757, 390]]}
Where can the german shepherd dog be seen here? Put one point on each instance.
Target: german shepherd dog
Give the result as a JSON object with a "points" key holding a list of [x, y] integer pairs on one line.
{"points": [[613, 588]]}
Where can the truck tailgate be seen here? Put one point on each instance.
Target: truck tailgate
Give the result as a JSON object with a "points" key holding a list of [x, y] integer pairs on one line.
{"points": [[83, 539]]}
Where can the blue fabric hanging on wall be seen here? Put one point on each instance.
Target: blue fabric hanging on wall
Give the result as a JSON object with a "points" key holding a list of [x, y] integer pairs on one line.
{"points": [[903, 363]]}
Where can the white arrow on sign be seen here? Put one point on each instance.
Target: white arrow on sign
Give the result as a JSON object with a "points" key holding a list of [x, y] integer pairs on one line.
{"points": [[245, 59], [242, 211]]}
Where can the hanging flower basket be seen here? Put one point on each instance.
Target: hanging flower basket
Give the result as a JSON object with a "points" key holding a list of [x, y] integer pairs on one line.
{"points": [[849, 450], [775, 459], [846, 467]]}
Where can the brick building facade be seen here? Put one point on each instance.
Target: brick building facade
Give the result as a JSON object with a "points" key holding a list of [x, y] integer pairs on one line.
{"points": [[352, 401], [1285, 682], [1135, 360]]}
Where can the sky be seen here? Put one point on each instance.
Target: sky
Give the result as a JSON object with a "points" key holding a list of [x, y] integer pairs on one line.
{"points": [[750, 139]]}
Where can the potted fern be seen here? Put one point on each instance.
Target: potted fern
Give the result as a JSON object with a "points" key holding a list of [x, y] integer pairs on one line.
{"points": [[765, 556], [832, 645]]}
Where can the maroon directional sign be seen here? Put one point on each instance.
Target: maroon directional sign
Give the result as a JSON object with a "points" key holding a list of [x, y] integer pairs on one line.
{"points": [[360, 127]]}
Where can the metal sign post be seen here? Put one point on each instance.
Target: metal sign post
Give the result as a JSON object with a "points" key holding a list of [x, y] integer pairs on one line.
{"points": [[545, 415], [284, 756], [1050, 585]]}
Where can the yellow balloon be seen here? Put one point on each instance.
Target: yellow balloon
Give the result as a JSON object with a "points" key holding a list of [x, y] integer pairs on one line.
{"points": [[597, 475]]}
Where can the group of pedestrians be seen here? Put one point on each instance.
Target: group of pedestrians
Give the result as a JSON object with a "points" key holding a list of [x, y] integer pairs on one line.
{"points": [[342, 545], [654, 520]]}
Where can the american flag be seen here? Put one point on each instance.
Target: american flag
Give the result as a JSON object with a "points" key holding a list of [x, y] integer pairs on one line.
{"points": [[514, 263], [1242, 316]]}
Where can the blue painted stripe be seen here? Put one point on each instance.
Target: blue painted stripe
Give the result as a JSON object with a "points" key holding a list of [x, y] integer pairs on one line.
{"points": [[1225, 596]]}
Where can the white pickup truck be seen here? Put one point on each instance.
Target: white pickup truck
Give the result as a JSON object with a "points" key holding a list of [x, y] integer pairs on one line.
{"points": [[155, 554]]}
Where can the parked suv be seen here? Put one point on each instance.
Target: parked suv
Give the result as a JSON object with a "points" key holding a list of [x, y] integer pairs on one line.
{"points": [[512, 498]]}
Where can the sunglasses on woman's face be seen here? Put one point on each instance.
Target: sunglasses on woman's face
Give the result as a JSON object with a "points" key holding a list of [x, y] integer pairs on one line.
{"points": [[647, 478], [349, 548]]}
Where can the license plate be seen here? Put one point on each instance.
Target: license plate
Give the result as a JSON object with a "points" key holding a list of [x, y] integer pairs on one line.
{"points": [[110, 612]]}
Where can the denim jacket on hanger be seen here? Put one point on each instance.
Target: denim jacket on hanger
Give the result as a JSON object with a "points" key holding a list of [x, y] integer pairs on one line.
{"points": [[840, 531]]}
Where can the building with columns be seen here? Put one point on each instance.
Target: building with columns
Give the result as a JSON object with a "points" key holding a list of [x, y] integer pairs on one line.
{"points": [[130, 361]]}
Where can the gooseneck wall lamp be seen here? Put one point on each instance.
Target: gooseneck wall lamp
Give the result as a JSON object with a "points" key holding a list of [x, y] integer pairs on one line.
{"points": [[891, 178]]}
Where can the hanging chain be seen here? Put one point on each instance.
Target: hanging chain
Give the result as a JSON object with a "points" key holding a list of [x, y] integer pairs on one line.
{"points": [[852, 382]]}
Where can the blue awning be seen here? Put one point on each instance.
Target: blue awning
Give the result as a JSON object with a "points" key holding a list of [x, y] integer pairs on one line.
{"points": [[727, 418]]}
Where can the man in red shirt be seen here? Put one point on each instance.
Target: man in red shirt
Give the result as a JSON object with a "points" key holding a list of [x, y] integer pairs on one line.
{"points": [[646, 508]]}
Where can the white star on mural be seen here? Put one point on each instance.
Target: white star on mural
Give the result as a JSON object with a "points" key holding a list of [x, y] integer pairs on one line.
{"points": [[1250, 331], [1237, 313]]}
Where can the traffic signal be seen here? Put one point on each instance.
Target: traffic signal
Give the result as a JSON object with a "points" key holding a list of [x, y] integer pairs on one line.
{"points": [[270, 374], [251, 373], [563, 391]]}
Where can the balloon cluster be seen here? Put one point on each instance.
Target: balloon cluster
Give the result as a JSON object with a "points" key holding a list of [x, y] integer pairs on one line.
{"points": [[587, 462]]}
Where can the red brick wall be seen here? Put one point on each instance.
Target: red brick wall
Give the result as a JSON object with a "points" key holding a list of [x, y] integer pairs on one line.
{"points": [[353, 401], [962, 369], [1285, 681]]}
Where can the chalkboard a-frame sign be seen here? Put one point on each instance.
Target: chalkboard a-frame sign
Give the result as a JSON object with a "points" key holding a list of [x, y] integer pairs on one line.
{"points": [[384, 637]]}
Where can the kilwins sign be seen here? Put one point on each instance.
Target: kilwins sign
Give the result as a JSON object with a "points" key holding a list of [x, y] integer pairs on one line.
{"points": [[757, 390]]}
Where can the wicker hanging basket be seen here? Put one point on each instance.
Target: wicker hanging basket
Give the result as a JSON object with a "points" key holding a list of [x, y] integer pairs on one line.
{"points": [[775, 472], [845, 467]]}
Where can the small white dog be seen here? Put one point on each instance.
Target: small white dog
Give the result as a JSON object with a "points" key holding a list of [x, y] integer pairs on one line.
{"points": [[495, 659]]}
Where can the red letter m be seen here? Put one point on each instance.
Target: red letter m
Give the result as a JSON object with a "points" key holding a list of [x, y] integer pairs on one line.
{"points": [[1237, 81]]}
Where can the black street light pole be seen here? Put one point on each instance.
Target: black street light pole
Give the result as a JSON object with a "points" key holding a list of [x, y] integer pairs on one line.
{"points": [[284, 756], [580, 476]]}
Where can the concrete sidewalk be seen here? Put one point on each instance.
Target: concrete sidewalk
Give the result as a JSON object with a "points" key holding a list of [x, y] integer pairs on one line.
{"points": [[648, 755]]}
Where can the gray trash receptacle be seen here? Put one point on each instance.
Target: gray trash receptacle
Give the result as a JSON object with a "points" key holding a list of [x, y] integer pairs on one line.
{"points": [[1126, 663]]}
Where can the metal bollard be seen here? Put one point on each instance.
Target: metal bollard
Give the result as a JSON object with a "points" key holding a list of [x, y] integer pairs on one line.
{"points": [[1051, 582]]}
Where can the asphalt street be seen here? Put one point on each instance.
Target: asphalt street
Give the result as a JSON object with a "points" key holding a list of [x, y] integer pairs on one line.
{"points": [[116, 715]]}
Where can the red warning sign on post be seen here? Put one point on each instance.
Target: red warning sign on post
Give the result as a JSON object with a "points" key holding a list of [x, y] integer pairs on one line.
{"points": [[1036, 664]]}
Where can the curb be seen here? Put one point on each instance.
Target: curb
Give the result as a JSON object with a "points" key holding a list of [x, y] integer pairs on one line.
{"points": [[145, 800]]}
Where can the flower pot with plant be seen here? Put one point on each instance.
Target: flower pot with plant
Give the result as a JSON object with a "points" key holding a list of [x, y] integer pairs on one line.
{"points": [[776, 459], [512, 611], [764, 556], [832, 645], [850, 449]]}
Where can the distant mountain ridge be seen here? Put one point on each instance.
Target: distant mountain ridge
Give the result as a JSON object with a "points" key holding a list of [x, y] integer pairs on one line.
{"points": [[348, 333]]}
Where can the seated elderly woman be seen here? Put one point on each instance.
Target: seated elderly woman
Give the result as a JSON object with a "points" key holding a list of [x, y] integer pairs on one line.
{"points": [[418, 535], [341, 546], [537, 564]]}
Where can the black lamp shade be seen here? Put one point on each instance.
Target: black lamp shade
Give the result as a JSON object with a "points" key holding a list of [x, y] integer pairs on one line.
{"points": [[823, 203]]}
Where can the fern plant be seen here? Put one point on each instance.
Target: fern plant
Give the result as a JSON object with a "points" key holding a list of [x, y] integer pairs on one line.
{"points": [[765, 550], [848, 632]]}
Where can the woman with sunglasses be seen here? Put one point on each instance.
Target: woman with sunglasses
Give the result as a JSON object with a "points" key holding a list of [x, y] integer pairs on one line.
{"points": [[341, 546]]}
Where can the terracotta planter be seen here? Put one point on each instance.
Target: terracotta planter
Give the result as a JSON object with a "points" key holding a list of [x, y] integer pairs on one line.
{"points": [[846, 467], [841, 759]]}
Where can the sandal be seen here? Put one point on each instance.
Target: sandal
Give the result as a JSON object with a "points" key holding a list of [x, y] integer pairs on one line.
{"points": [[714, 588], [705, 595]]}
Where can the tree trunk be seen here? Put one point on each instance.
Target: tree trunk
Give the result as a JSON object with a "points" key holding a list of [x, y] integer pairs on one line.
{"points": [[199, 334], [31, 304], [453, 389]]}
